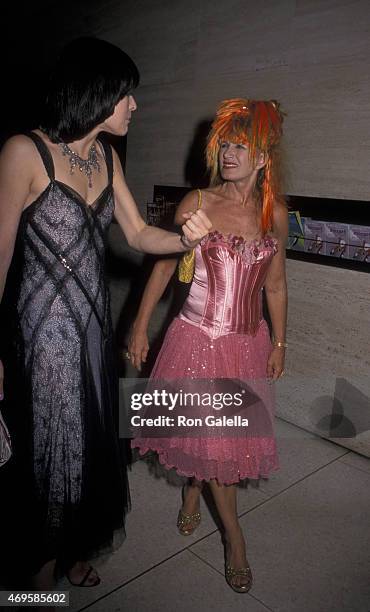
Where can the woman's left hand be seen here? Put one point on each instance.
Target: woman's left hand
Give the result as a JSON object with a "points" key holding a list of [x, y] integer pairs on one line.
{"points": [[275, 364], [195, 228]]}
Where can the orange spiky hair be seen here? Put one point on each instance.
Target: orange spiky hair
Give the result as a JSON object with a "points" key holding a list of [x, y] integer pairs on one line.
{"points": [[258, 124]]}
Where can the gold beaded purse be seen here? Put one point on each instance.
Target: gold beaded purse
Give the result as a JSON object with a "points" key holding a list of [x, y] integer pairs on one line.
{"points": [[187, 262]]}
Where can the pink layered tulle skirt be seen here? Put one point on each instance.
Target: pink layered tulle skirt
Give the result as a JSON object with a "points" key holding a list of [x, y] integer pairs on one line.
{"points": [[188, 352]]}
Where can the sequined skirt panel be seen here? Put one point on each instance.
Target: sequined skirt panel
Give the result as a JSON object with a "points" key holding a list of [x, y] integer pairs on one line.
{"points": [[188, 352]]}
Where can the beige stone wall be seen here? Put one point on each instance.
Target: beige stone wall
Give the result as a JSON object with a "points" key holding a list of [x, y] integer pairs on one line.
{"points": [[326, 389], [313, 56], [310, 55]]}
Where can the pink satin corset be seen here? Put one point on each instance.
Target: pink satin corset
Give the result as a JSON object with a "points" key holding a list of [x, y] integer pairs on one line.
{"points": [[226, 292]]}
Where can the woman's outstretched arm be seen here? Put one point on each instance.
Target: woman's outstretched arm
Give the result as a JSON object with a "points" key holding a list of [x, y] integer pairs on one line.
{"points": [[143, 237]]}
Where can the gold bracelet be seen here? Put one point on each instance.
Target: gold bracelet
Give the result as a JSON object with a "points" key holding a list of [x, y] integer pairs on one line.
{"points": [[280, 345]]}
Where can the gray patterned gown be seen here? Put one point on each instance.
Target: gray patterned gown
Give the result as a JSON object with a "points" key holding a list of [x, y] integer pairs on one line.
{"points": [[66, 487]]}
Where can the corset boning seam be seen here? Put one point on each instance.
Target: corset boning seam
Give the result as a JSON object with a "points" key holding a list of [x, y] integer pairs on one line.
{"points": [[226, 292]]}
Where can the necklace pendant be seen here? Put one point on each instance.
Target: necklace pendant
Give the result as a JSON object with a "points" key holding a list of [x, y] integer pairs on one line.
{"points": [[85, 165]]}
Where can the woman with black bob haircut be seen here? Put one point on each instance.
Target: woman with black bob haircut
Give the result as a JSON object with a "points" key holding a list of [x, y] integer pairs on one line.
{"points": [[60, 187], [79, 99]]}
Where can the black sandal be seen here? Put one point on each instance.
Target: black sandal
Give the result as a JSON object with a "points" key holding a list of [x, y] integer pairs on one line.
{"points": [[84, 579]]}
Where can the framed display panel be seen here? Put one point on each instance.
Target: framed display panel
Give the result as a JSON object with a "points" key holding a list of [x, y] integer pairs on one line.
{"points": [[335, 214], [331, 215]]}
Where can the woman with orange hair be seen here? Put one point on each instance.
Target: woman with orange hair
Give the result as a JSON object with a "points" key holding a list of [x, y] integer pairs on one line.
{"points": [[220, 332]]}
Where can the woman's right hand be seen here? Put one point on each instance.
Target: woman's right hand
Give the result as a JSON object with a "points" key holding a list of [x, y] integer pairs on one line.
{"points": [[1, 380], [138, 347]]}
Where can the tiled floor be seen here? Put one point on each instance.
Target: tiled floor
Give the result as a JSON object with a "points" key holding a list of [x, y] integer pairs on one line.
{"points": [[308, 540]]}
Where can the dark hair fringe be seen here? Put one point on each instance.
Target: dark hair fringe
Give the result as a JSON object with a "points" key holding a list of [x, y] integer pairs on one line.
{"points": [[90, 77]]}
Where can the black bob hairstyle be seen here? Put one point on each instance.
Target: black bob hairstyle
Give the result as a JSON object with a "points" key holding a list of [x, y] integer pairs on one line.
{"points": [[90, 77]]}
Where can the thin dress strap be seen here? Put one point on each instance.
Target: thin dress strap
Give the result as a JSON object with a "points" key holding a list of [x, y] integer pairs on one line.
{"points": [[199, 198], [108, 158], [44, 153]]}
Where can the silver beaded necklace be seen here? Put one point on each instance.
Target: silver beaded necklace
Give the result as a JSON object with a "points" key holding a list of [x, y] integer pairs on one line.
{"points": [[85, 165]]}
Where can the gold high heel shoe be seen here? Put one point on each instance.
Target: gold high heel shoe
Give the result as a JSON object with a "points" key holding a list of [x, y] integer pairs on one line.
{"points": [[187, 523], [231, 573]]}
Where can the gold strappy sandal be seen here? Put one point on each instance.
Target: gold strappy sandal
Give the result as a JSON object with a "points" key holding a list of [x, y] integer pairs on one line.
{"points": [[231, 573], [187, 523]]}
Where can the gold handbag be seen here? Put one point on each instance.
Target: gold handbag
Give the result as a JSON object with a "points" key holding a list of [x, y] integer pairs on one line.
{"points": [[187, 261]]}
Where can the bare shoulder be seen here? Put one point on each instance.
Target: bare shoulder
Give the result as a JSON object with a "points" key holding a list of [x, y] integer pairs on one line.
{"points": [[189, 203], [280, 220], [19, 170], [116, 160], [118, 174], [19, 148], [19, 161], [211, 194]]}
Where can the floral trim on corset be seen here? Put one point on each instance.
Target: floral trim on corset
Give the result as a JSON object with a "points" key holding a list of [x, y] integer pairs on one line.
{"points": [[250, 250]]}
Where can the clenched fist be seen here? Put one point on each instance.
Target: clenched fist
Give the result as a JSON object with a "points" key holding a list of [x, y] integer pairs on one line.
{"points": [[195, 228]]}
